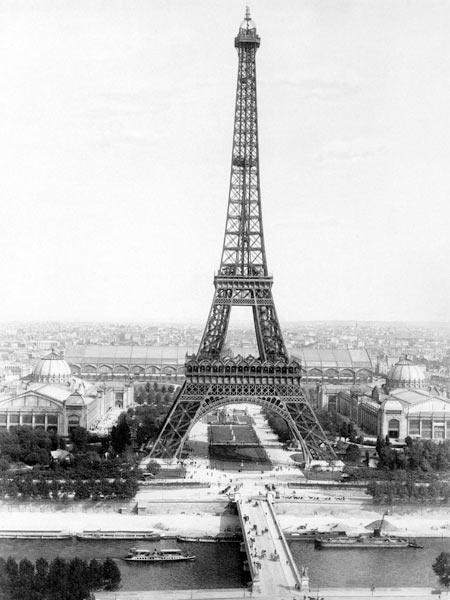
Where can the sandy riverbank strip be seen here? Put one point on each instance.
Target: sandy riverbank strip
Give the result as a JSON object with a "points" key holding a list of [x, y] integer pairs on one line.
{"points": [[407, 522], [424, 522], [71, 522]]}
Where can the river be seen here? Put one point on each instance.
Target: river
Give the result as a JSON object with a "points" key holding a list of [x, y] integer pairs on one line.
{"points": [[364, 567], [221, 565], [217, 565]]}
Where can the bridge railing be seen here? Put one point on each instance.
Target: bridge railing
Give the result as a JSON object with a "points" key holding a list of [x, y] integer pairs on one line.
{"points": [[287, 550], [254, 571]]}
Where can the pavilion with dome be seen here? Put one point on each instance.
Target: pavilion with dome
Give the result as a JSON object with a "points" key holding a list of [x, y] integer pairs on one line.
{"points": [[406, 405], [51, 398]]}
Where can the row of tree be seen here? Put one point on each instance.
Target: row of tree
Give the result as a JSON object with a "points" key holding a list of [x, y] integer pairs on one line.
{"points": [[30, 446], [409, 491], [153, 393], [418, 455], [59, 580], [279, 426], [38, 486], [33, 446]]}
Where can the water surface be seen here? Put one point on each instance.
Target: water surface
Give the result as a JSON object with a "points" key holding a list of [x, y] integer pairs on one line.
{"points": [[216, 566], [402, 567]]}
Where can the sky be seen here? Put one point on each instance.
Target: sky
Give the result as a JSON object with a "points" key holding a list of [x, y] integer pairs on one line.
{"points": [[115, 145]]}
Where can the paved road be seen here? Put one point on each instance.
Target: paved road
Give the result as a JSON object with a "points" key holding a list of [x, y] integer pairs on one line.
{"points": [[330, 594]]}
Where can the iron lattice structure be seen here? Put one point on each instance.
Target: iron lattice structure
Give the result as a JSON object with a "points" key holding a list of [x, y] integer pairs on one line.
{"points": [[272, 380]]}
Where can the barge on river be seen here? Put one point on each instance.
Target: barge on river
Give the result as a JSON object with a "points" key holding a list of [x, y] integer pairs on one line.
{"points": [[211, 539], [19, 534], [371, 540], [311, 535], [101, 534], [366, 541]]}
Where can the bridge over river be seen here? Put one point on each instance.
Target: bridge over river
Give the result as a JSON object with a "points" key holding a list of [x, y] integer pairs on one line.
{"points": [[272, 568], [273, 571]]}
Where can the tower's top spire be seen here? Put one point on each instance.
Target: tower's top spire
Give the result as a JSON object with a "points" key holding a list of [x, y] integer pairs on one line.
{"points": [[247, 30], [247, 24]]}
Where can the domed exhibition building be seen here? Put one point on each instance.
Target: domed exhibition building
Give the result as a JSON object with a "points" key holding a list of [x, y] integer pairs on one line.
{"points": [[405, 405], [51, 398]]}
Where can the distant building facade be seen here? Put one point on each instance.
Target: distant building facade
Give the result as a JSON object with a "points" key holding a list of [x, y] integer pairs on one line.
{"points": [[51, 398], [405, 406], [109, 363]]}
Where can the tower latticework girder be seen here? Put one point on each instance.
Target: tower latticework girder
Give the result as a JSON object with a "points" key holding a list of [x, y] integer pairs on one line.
{"points": [[271, 379]]}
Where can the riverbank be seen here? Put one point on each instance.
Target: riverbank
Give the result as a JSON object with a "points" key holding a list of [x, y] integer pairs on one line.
{"points": [[431, 522], [190, 519], [226, 594]]}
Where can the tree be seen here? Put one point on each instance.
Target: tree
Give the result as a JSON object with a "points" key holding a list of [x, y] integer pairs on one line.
{"points": [[95, 575], [4, 580], [352, 453], [79, 437], [39, 456], [153, 467], [57, 580], [121, 435], [78, 579], [25, 585], [343, 430], [40, 581], [12, 572], [442, 568], [111, 575], [82, 491]]}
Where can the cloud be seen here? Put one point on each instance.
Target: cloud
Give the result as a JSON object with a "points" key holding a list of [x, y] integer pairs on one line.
{"points": [[355, 149]]}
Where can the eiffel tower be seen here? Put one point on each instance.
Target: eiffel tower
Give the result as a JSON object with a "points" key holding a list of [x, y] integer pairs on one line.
{"points": [[270, 380]]}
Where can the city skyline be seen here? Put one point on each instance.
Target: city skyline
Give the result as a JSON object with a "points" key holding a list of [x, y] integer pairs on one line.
{"points": [[121, 123]]}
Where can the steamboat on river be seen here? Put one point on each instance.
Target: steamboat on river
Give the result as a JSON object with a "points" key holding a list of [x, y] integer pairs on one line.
{"points": [[161, 555]]}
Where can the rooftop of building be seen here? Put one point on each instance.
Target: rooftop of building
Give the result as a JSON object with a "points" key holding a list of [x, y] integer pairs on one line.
{"points": [[333, 359], [51, 367], [98, 354]]}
